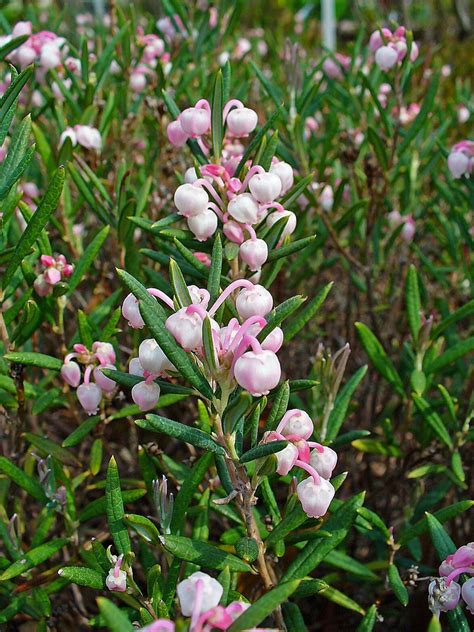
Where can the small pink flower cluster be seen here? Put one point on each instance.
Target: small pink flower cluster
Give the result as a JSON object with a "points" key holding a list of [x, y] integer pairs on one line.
{"points": [[85, 135], [55, 269], [199, 596], [239, 357], [337, 67], [461, 159], [444, 593], [90, 393], [45, 48], [153, 50], [316, 492], [406, 114], [391, 48], [395, 219], [238, 204]]}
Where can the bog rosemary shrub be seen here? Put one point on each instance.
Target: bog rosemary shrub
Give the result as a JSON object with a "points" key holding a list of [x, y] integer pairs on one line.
{"points": [[235, 300]]}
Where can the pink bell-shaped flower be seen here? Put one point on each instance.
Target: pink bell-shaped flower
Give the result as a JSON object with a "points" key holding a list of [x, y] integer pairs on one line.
{"points": [[315, 497], [296, 423], [290, 224], [265, 187], [131, 312], [135, 368], [146, 395], [104, 352], [468, 594], [198, 586], [88, 136], [274, 340], [153, 359], [254, 301], [233, 231], [190, 200], [203, 225], [42, 287], [89, 396], [104, 382], [386, 57], [323, 462], [186, 327], [442, 596], [258, 372], [458, 164], [241, 122], [195, 121], [71, 373], [243, 208], [286, 458], [116, 580], [285, 172], [254, 252], [176, 134]]}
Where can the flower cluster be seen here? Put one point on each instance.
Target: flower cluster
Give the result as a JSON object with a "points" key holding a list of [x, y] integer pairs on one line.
{"points": [[395, 219], [152, 50], [461, 159], [444, 593], [316, 492], [45, 48], [54, 270], [90, 393], [239, 357], [85, 135], [199, 596], [215, 193], [391, 48]]}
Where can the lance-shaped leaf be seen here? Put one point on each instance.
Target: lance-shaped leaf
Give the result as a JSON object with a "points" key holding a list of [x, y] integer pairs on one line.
{"points": [[114, 508], [339, 412], [286, 251], [87, 259], [10, 46], [307, 313], [214, 279], [261, 451], [368, 622], [31, 358], [98, 507], [279, 406], [143, 526], [264, 606], [433, 419], [180, 289], [454, 353], [379, 358], [317, 587], [154, 316], [195, 437], [83, 576], [279, 314], [18, 476], [8, 100], [187, 491], [217, 125], [36, 224], [33, 558], [413, 302], [128, 381], [115, 619], [204, 554], [442, 515]]}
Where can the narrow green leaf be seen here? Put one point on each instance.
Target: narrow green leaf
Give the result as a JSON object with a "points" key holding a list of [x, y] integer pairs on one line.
{"points": [[368, 622], [87, 259], [454, 353], [187, 491], [20, 478], [433, 419], [443, 515], [214, 279], [413, 302], [398, 587], [115, 619], [204, 554], [83, 576], [180, 289], [38, 221], [307, 313], [263, 450], [339, 412], [50, 447], [29, 358], [143, 526], [115, 511], [264, 606], [33, 558], [216, 113], [379, 358]]}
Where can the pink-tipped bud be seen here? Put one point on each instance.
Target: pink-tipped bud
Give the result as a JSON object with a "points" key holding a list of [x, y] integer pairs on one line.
{"points": [[137, 82], [190, 200], [25, 55], [258, 372], [88, 136], [468, 594], [146, 395], [131, 312], [208, 588], [176, 135], [71, 373], [241, 122], [116, 579], [265, 187], [203, 225], [254, 301], [386, 57], [153, 359], [315, 498], [297, 423], [290, 224], [186, 329], [323, 462], [104, 382], [89, 396], [243, 208], [285, 172], [42, 287], [233, 231], [376, 40], [409, 228], [254, 252], [195, 121]]}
